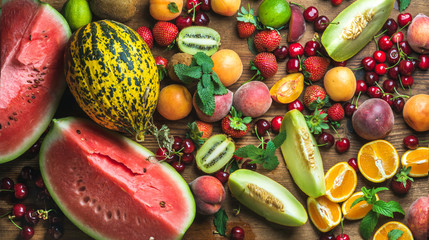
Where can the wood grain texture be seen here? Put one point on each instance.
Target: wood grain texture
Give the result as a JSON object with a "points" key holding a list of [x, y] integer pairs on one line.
{"points": [[255, 227]]}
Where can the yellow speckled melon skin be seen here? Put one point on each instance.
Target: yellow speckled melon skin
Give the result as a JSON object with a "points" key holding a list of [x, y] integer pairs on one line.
{"points": [[113, 76]]}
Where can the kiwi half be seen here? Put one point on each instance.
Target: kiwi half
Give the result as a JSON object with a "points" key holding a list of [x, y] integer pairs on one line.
{"points": [[215, 153], [267, 198], [195, 39]]}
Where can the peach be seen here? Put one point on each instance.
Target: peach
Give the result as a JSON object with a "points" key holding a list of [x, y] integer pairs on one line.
{"points": [[416, 112], [418, 217], [340, 84], [225, 7], [253, 99], [288, 89], [209, 194], [223, 104], [418, 34]]}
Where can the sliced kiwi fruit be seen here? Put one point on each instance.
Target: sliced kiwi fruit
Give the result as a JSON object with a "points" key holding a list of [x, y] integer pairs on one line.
{"points": [[215, 153], [354, 27], [195, 39], [267, 198], [302, 155]]}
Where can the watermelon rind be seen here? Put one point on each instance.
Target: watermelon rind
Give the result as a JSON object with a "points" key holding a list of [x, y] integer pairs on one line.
{"points": [[56, 133]]}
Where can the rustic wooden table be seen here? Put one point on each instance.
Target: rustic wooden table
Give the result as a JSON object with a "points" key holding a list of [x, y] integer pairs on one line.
{"points": [[255, 226]]}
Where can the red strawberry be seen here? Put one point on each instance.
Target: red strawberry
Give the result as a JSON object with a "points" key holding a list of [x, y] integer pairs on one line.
{"points": [[265, 64], [205, 128], [164, 33], [246, 23], [146, 34], [336, 112], [315, 67], [199, 131], [401, 182], [234, 125], [161, 61], [267, 40], [315, 97]]}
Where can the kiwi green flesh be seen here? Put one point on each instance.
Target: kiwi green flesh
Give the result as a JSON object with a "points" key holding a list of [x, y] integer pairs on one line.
{"points": [[215, 153], [301, 155], [267, 198], [198, 39], [340, 49]]}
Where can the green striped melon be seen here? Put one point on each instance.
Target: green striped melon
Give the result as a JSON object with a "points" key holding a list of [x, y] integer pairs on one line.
{"points": [[113, 76]]}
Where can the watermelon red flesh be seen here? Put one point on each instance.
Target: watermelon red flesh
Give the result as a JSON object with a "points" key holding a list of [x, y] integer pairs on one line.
{"points": [[33, 36], [110, 187]]}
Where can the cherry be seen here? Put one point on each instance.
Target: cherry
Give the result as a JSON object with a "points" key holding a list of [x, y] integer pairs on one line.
{"points": [[187, 158], [190, 4], [188, 145], [295, 50], [222, 176], [27, 173], [384, 43], [339, 64], [423, 62], [404, 19], [6, 183], [392, 56], [310, 14], [389, 85], [161, 154], [205, 5], [262, 127], [237, 233], [247, 165], [296, 105], [327, 236], [336, 2], [237, 158], [368, 63], [406, 67], [276, 122], [393, 73], [380, 69], [353, 163], [321, 23], [349, 109], [371, 78], [325, 140], [54, 218], [405, 47], [311, 48], [56, 231], [397, 37], [388, 98], [18, 210], [398, 104], [281, 53], [180, 167], [177, 143], [379, 56], [21, 191], [411, 142], [407, 81], [391, 26], [35, 147], [201, 19], [292, 65], [360, 87], [27, 232], [343, 236], [374, 92], [183, 21], [171, 158], [31, 217], [342, 145]]}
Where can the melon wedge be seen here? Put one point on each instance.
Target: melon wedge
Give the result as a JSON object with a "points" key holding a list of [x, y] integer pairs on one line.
{"points": [[110, 186], [33, 37]]}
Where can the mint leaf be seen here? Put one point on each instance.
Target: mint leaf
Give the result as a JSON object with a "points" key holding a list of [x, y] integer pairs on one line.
{"points": [[220, 219], [395, 207], [206, 81], [270, 149], [203, 59], [185, 72], [367, 225], [358, 200], [379, 189], [234, 166], [173, 7], [249, 151], [206, 101], [279, 139], [219, 88], [270, 163], [382, 208], [394, 234], [403, 4]]}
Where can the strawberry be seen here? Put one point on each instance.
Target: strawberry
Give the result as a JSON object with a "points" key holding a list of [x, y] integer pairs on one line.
{"points": [[336, 112], [401, 182], [246, 23], [265, 64], [317, 122], [267, 40], [234, 125], [315, 97], [161, 64], [315, 67], [205, 128], [164, 33], [146, 34], [161, 61], [199, 131]]}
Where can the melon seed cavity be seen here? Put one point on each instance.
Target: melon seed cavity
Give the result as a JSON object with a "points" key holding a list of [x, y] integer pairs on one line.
{"points": [[355, 28]]}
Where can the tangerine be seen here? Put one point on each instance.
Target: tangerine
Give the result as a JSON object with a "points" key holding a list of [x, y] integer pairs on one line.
{"points": [[225, 7], [383, 231], [340, 182], [418, 159], [324, 213]]}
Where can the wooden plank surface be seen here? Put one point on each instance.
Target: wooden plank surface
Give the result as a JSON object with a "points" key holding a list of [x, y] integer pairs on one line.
{"points": [[255, 227]]}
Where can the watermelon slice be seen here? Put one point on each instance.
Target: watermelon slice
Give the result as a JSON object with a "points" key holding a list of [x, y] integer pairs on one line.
{"points": [[33, 38], [110, 186]]}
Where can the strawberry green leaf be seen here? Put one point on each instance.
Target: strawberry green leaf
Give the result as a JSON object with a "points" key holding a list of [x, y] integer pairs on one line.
{"points": [[220, 220], [367, 225], [394, 234], [251, 45], [172, 7], [195, 134]]}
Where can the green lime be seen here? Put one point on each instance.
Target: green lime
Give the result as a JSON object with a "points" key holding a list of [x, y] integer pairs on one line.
{"points": [[274, 13], [77, 13]]}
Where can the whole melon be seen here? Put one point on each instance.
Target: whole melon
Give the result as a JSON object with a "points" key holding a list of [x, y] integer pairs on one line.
{"points": [[113, 76]]}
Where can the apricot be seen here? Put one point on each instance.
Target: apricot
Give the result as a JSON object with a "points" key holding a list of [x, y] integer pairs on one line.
{"points": [[288, 89], [227, 66], [160, 10], [223, 104], [209, 194], [416, 112], [253, 99], [174, 102], [225, 7], [340, 84]]}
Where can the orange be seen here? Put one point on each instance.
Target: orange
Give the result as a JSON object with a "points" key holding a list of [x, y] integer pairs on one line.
{"points": [[288, 89], [159, 9], [324, 213], [378, 160], [381, 233], [174, 102], [416, 112], [225, 7], [227, 66], [340, 182], [359, 210], [340, 84], [418, 159]]}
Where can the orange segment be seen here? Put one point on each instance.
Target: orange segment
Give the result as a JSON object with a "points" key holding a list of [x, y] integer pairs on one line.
{"points": [[340, 182], [381, 233], [418, 160], [378, 160], [359, 210], [324, 213]]}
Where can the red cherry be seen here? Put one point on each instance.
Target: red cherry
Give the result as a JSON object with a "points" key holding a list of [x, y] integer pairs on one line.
{"points": [[339, 64], [391, 26], [325, 140], [310, 14], [6, 183], [349, 109], [177, 143], [281, 53], [21, 191], [161, 154], [292, 65], [388, 98], [381, 69], [180, 167], [247, 165], [27, 232], [295, 50], [296, 105], [353, 163], [423, 62], [384, 43], [371, 78], [18, 210], [205, 5], [187, 158], [389, 86], [374, 92], [411, 142], [405, 47], [262, 127], [188, 145], [327, 236], [342, 145], [222, 176], [336, 2], [276, 122], [392, 56], [379, 56], [368, 63], [201, 19], [311, 48], [321, 23], [360, 87], [407, 81], [397, 37], [398, 104], [343, 236], [183, 21], [237, 233], [393, 73], [191, 4], [404, 19]]}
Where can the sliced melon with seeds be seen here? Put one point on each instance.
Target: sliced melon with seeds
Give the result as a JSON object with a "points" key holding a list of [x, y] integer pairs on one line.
{"points": [[215, 153], [267, 198], [198, 39]]}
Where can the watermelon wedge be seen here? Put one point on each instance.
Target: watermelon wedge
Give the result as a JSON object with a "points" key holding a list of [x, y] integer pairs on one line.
{"points": [[33, 38], [110, 186]]}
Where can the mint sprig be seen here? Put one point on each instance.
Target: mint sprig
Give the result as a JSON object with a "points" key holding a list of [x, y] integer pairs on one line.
{"points": [[394, 234], [220, 219], [173, 8], [403, 4]]}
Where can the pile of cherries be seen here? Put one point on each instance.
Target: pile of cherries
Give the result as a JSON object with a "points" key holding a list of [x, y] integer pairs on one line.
{"points": [[196, 14], [180, 155]]}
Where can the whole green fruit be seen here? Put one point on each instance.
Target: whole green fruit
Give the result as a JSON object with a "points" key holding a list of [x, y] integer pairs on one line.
{"points": [[274, 13], [77, 13]]}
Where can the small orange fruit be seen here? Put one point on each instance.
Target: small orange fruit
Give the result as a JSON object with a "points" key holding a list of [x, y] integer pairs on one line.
{"points": [[324, 213], [359, 210], [378, 160], [383, 231], [161, 9], [288, 89], [416, 112], [227, 66], [418, 159], [174, 102], [225, 7], [340, 182], [340, 84]]}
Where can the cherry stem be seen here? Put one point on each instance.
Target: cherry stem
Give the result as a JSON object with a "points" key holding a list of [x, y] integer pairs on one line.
{"points": [[357, 99], [4, 215], [11, 219], [335, 130], [236, 211], [376, 36], [299, 5], [400, 30], [381, 89], [399, 95], [6, 190]]}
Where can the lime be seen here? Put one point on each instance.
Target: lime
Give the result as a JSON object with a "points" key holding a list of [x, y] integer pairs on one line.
{"points": [[77, 13], [274, 13]]}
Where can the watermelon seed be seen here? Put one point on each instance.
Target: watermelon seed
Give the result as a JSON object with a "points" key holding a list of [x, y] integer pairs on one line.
{"points": [[144, 169], [162, 204], [29, 38], [109, 215], [98, 209], [78, 131], [0, 126], [82, 189], [86, 199], [29, 81], [118, 214]]}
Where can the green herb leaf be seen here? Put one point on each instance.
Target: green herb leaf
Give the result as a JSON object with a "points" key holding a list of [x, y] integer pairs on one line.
{"points": [[234, 166], [249, 151], [270, 149], [182, 71], [203, 59], [382, 208], [251, 45], [279, 139], [394, 234], [195, 134], [358, 200], [220, 219], [367, 225], [403, 4], [396, 207], [219, 88], [270, 163], [205, 99], [172, 6]]}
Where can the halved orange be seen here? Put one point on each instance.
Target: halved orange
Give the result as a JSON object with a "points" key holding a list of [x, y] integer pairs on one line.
{"points": [[378, 160], [381, 233], [340, 182], [418, 159], [359, 210], [324, 213]]}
